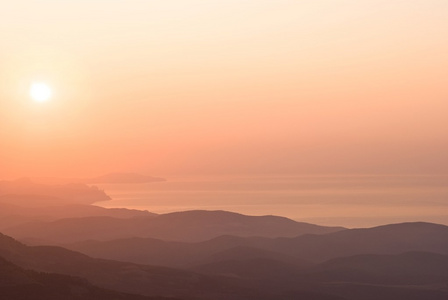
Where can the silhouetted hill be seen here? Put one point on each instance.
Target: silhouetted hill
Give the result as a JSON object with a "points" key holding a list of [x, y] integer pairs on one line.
{"points": [[260, 273], [203, 225], [261, 268], [19, 284], [135, 278], [177, 254], [412, 275], [401, 277], [359, 291], [416, 268], [234, 274], [387, 239], [183, 226], [12, 215], [242, 253], [125, 277], [122, 178], [143, 251]]}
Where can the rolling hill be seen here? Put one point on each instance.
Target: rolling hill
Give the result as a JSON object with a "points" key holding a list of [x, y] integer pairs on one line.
{"points": [[124, 277], [189, 226], [259, 268], [19, 284], [13, 215], [388, 239]]}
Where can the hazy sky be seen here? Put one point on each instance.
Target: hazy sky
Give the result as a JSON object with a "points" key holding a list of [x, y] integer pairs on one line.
{"points": [[222, 87]]}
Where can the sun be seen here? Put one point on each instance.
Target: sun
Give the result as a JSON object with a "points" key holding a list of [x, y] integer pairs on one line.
{"points": [[40, 92]]}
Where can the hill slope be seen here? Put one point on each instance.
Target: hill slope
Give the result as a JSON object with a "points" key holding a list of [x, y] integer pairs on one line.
{"points": [[19, 284], [124, 277], [389, 239], [412, 268]]}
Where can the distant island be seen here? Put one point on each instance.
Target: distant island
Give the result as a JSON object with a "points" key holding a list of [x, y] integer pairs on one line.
{"points": [[57, 191], [25, 191]]}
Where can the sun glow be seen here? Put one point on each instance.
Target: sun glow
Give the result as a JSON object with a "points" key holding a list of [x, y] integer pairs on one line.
{"points": [[40, 92]]}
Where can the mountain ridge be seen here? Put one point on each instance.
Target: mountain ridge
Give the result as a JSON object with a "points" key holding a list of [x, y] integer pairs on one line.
{"points": [[403, 237], [189, 226]]}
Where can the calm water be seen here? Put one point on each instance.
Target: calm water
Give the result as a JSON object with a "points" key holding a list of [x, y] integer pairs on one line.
{"points": [[352, 201]]}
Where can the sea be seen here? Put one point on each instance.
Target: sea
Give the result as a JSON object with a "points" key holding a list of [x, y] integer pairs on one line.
{"points": [[343, 200]]}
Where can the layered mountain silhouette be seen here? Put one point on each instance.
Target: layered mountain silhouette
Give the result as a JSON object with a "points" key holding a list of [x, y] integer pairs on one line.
{"points": [[208, 255], [187, 226], [416, 268], [121, 276], [254, 273], [182, 254], [389, 239]]}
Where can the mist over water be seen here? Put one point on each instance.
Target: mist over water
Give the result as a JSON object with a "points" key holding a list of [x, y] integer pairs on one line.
{"points": [[351, 201]]}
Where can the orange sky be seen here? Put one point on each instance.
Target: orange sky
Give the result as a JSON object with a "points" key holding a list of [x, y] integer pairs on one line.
{"points": [[222, 87]]}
